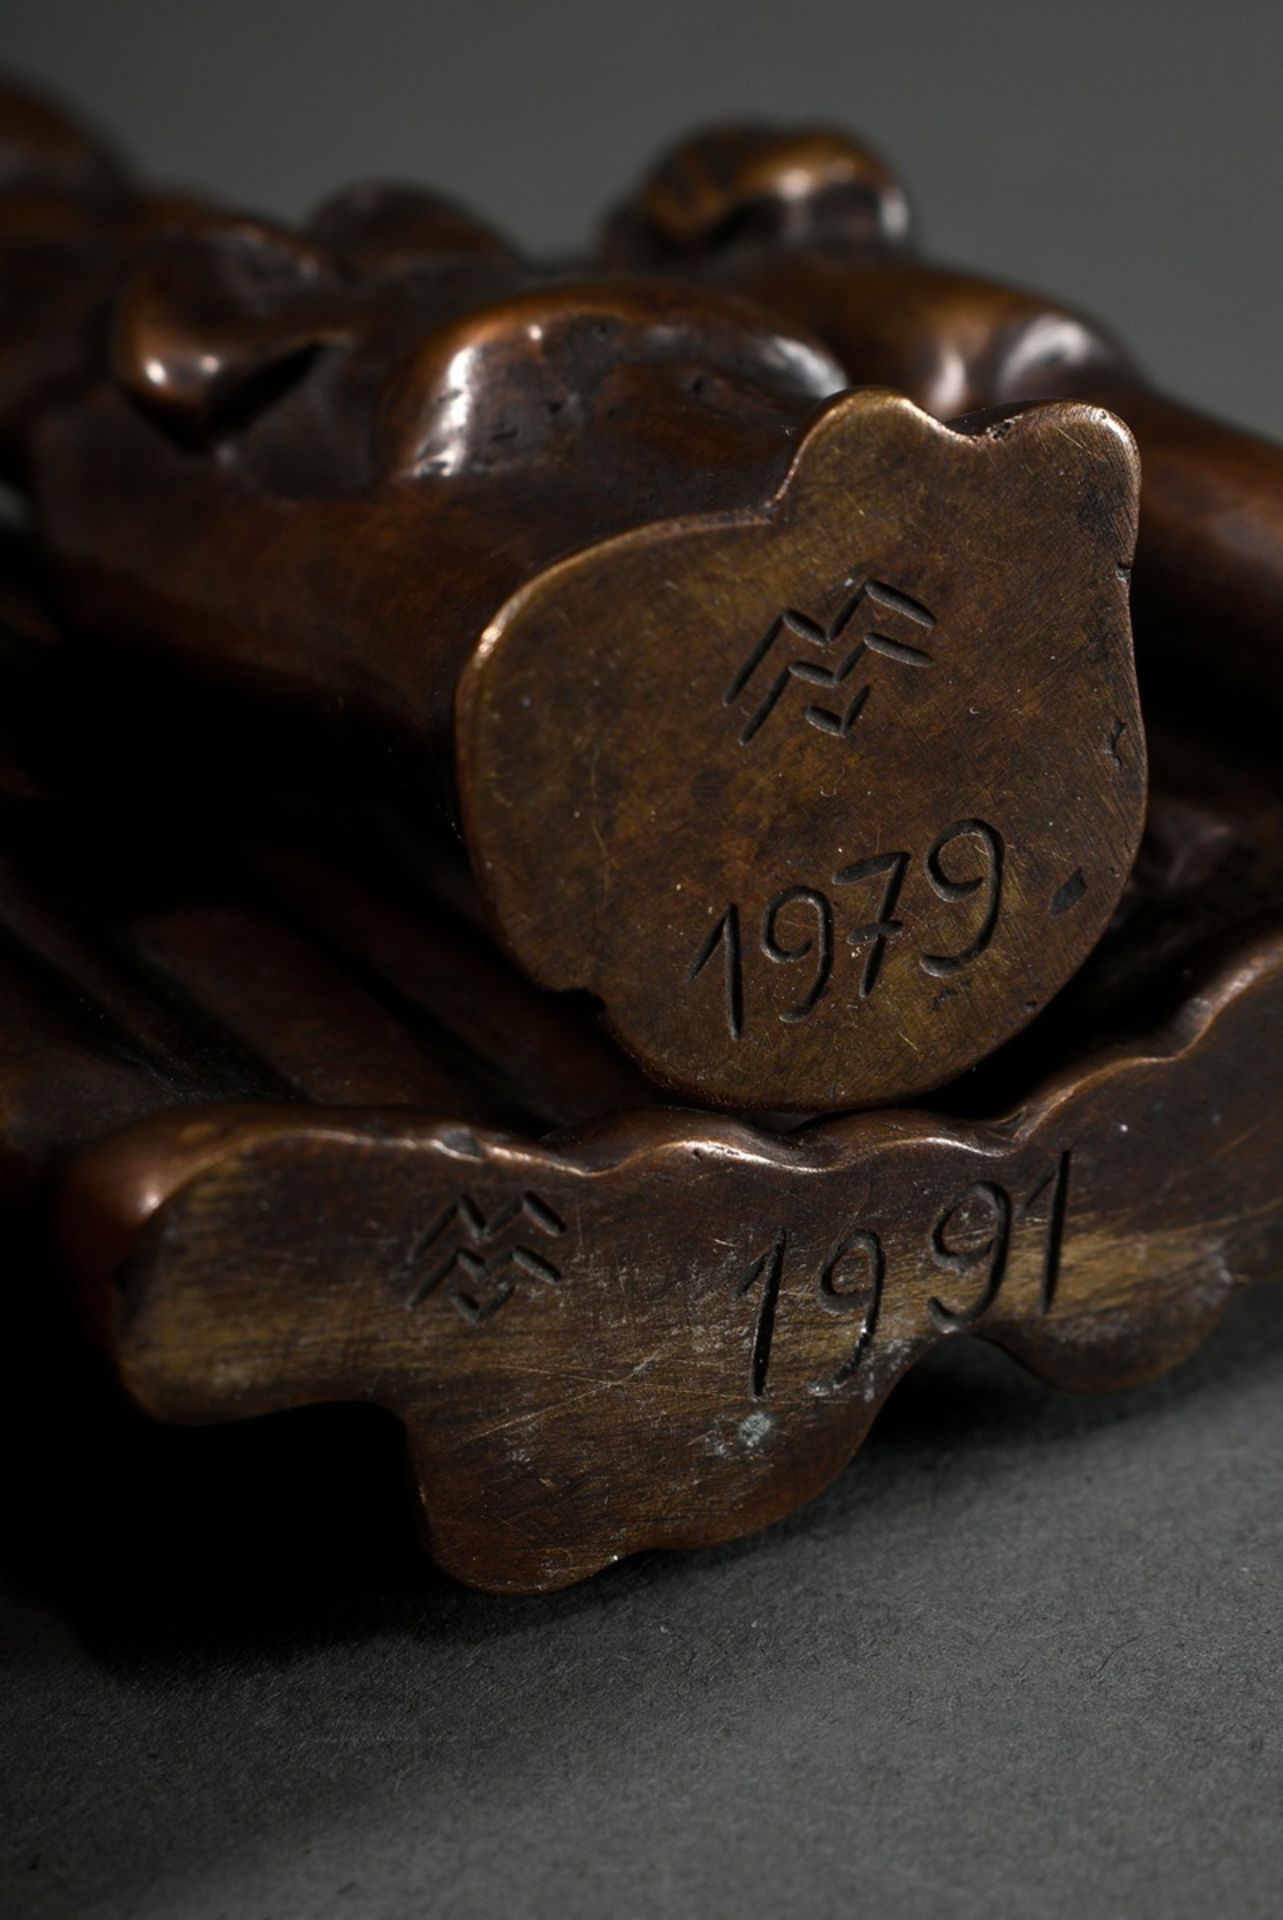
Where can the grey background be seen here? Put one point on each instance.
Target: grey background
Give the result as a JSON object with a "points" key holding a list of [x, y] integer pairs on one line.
{"points": [[1124, 151], [1025, 1656]]}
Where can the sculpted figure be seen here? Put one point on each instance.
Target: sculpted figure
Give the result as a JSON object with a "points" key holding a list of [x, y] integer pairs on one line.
{"points": [[812, 223], [796, 727]]}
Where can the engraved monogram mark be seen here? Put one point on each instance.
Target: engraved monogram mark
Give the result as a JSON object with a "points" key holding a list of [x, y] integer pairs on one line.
{"points": [[799, 924], [484, 1254], [845, 641], [972, 1238]]}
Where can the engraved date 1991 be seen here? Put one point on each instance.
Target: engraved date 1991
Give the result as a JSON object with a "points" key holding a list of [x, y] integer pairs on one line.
{"points": [[970, 1244], [799, 926]]}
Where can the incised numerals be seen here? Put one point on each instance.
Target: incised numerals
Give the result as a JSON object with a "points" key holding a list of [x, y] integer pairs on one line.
{"points": [[800, 925], [971, 1239], [970, 1243]]}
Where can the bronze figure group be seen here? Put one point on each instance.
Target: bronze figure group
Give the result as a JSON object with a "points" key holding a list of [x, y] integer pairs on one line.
{"points": [[582, 859]]}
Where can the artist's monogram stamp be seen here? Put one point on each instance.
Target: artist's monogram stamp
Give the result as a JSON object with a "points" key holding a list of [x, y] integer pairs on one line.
{"points": [[484, 1256], [874, 619]]}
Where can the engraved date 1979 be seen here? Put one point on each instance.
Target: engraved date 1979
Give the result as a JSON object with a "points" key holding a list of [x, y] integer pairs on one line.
{"points": [[800, 926]]}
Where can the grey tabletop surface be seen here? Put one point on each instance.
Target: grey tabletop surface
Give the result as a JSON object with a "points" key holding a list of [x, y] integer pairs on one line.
{"points": [[1024, 1657]]}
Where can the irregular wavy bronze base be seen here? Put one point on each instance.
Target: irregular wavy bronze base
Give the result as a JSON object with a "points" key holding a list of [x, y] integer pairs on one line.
{"points": [[666, 1331], [345, 1152]]}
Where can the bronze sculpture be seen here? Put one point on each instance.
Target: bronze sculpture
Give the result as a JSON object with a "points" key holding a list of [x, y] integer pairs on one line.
{"points": [[824, 709], [293, 1130], [279, 1184], [754, 210]]}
